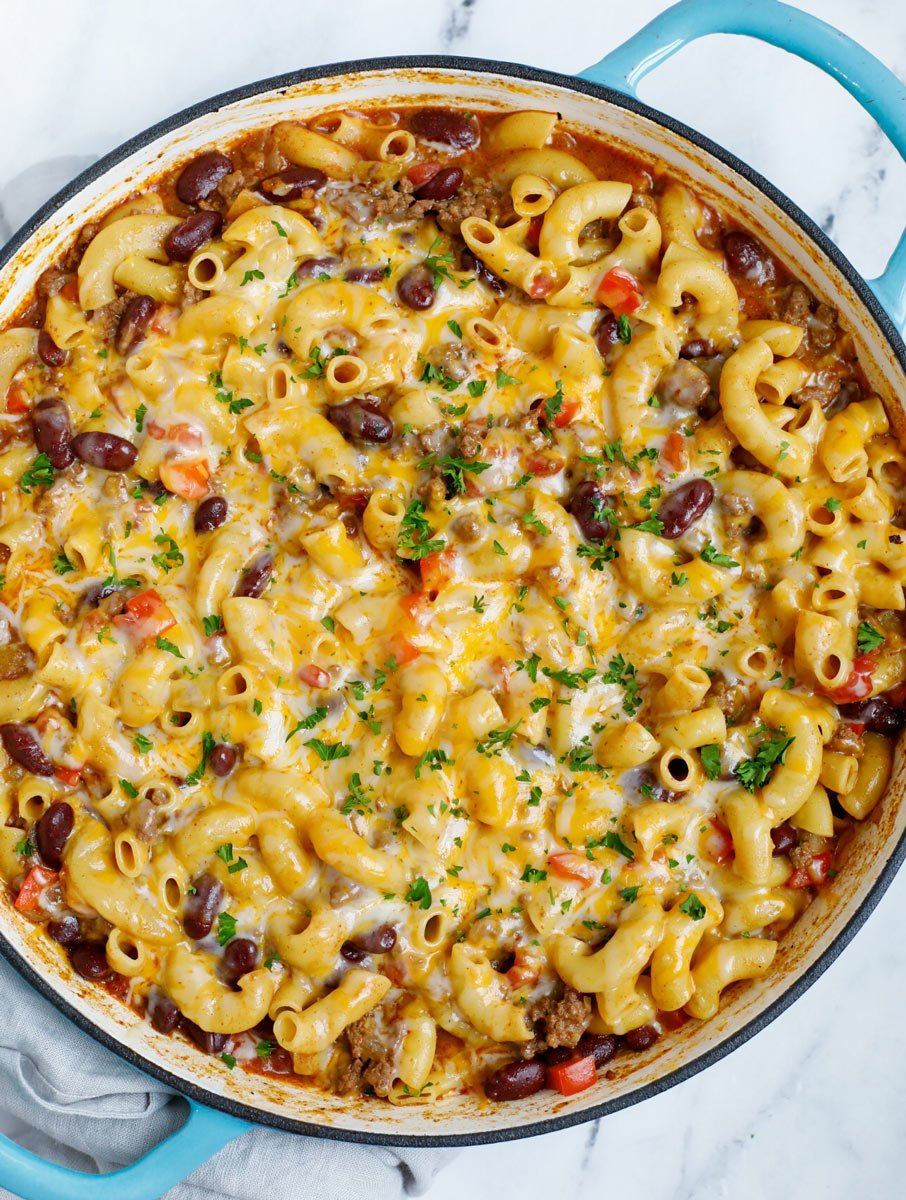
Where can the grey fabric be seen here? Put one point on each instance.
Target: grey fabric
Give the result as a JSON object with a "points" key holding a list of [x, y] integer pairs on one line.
{"points": [[75, 1103]]}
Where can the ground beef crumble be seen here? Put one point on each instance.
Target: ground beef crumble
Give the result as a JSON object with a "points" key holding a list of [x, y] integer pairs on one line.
{"points": [[559, 1022]]}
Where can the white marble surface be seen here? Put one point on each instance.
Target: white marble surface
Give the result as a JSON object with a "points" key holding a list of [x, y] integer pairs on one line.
{"points": [[813, 1106]]}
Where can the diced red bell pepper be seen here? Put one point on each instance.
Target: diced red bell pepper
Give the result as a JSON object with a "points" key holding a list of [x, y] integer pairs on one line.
{"points": [[568, 410], [437, 570], [186, 479], [575, 867], [858, 682], [542, 285], [572, 1076], [543, 465], [314, 676], [675, 451], [16, 399], [402, 650], [146, 616], [71, 776], [36, 882], [620, 291]]}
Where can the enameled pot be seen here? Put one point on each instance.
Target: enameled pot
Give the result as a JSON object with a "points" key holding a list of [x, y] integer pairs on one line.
{"points": [[222, 1104]]}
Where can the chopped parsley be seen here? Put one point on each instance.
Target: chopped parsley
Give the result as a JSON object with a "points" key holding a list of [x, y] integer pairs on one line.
{"points": [[710, 756], [39, 474], [452, 470], [693, 907], [711, 555], [868, 638], [329, 752], [314, 718], [756, 771], [226, 927], [419, 893], [415, 537]]}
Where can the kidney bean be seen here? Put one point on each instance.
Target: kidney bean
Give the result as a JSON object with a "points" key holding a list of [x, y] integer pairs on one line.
{"points": [[48, 351], [470, 262], [134, 323], [603, 1046], [104, 450], [684, 506], [210, 1043], [240, 957], [516, 1080], [416, 288], [443, 185], [313, 267], [698, 348], [256, 577], [52, 431], [743, 252], [279, 1062], [162, 1012], [23, 747], [361, 420], [89, 961], [351, 952], [191, 234], [585, 504], [641, 1038], [201, 176], [364, 275], [53, 830], [446, 127], [211, 514], [67, 931], [375, 941], [292, 182], [784, 837], [223, 759], [606, 333], [202, 906], [877, 714]]}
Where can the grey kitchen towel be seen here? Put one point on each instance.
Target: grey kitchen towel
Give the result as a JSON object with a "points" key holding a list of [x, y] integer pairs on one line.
{"points": [[76, 1103]]}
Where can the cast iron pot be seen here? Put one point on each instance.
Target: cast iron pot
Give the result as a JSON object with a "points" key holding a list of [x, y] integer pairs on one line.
{"points": [[223, 1104]]}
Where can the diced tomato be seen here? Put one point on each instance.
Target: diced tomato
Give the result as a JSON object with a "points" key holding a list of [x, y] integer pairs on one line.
{"points": [[142, 606], [675, 451], [572, 1076], [156, 430], [897, 695], [819, 867], [186, 479], [17, 399], [543, 465], [526, 969], [181, 433], [533, 233], [542, 285], [415, 605], [402, 650], [799, 879], [69, 775], [314, 676], [421, 172], [858, 682], [672, 1020], [719, 843], [37, 881], [437, 570], [146, 616], [164, 318], [620, 291], [568, 410], [574, 867]]}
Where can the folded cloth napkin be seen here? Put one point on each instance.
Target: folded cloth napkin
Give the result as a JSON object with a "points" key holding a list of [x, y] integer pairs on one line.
{"points": [[77, 1104]]}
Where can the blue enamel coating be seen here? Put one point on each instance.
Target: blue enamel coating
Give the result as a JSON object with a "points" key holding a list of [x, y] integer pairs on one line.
{"points": [[878, 90], [203, 1134]]}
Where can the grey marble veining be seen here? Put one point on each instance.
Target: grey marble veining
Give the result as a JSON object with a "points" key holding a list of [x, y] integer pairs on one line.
{"points": [[814, 1105]]}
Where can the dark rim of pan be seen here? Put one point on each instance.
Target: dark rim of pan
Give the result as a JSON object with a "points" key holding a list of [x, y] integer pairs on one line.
{"points": [[528, 1128]]}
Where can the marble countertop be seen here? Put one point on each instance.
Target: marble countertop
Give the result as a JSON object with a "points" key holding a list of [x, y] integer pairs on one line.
{"points": [[814, 1103]]}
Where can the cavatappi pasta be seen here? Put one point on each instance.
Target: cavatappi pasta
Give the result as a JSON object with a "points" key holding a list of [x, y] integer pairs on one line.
{"points": [[451, 605]]}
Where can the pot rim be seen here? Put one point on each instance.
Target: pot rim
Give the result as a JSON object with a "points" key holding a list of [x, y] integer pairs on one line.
{"points": [[248, 1113]]}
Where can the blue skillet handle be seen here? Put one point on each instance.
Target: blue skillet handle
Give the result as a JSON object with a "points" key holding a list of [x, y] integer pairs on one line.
{"points": [[203, 1134], [877, 89]]}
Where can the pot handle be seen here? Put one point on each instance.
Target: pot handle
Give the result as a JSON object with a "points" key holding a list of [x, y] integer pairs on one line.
{"points": [[878, 90], [204, 1133]]}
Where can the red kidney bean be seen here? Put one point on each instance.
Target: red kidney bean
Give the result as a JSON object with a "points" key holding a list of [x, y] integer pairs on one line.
{"points": [[351, 952], [361, 420], [470, 262], [606, 333], [23, 747], [364, 275], [240, 957], [256, 577], [313, 267], [698, 348], [376, 941], [211, 514], [201, 176], [279, 1062], [443, 185], [292, 183], [134, 323], [585, 504], [516, 1080], [104, 450], [89, 961], [877, 714], [49, 352], [67, 931], [210, 1043], [52, 431], [784, 837], [416, 288], [53, 830], [223, 759], [743, 252], [684, 506], [191, 234], [602, 1046], [202, 906], [641, 1038], [446, 127], [162, 1012]]}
